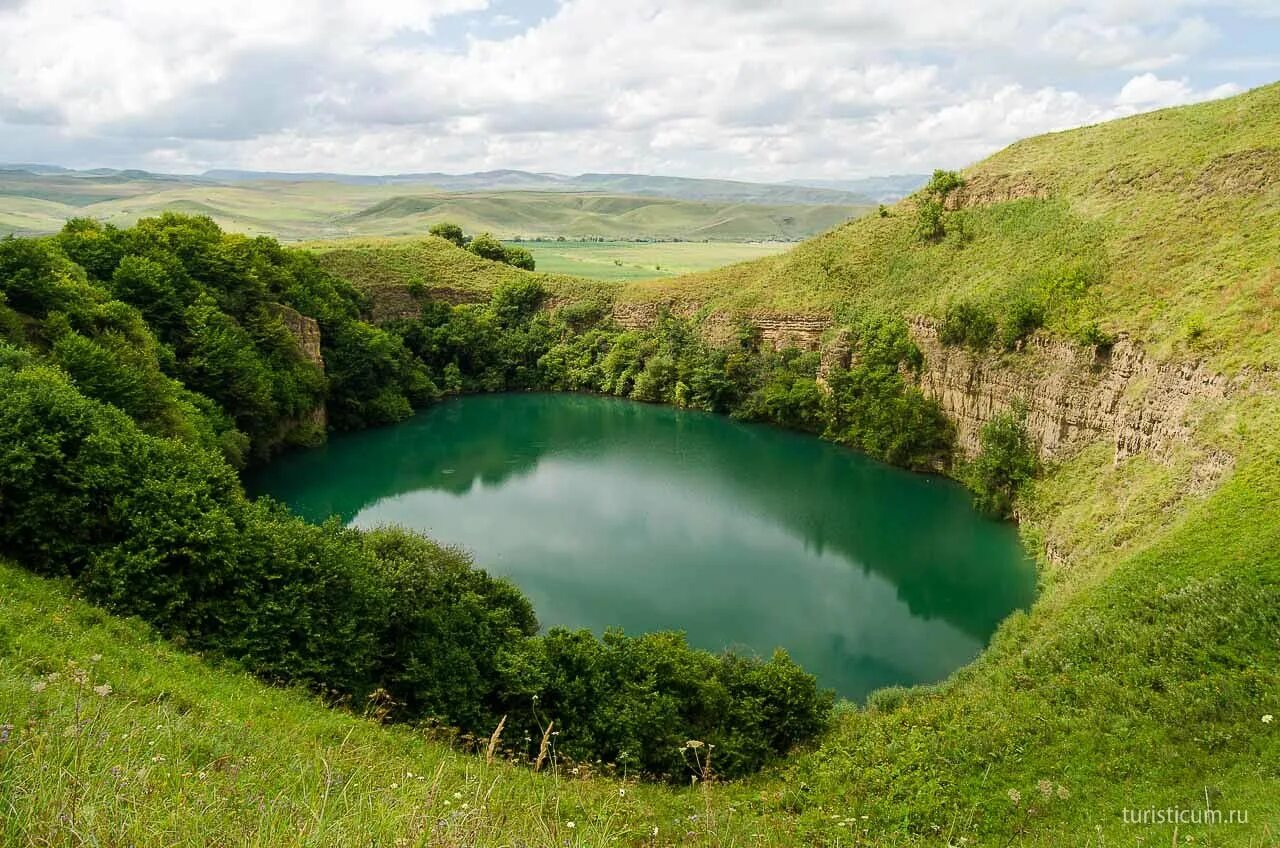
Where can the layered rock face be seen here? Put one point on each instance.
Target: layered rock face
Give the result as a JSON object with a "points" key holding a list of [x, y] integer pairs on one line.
{"points": [[1073, 394]]}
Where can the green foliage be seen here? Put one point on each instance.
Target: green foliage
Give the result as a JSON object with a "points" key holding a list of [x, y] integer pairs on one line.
{"points": [[160, 528], [487, 247], [1006, 462], [929, 220], [1092, 335], [449, 232], [637, 701], [942, 183], [872, 407], [1025, 315], [969, 324]]}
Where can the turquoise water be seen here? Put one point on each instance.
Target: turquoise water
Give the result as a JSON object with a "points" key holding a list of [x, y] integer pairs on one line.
{"points": [[609, 513]]}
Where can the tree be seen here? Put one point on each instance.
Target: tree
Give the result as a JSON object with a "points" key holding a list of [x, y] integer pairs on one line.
{"points": [[487, 247], [449, 232], [1005, 462]]}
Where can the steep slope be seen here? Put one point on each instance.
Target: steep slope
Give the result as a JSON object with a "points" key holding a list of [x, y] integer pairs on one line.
{"points": [[1165, 226]]}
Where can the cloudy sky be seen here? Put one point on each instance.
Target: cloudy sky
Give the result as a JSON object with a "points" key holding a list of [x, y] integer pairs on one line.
{"points": [[751, 89]]}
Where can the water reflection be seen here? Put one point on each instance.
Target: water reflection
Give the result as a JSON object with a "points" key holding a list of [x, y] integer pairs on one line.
{"points": [[612, 513]]}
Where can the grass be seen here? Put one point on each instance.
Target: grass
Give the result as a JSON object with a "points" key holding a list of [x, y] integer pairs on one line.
{"points": [[395, 265], [295, 211], [1173, 219], [1140, 678], [622, 261]]}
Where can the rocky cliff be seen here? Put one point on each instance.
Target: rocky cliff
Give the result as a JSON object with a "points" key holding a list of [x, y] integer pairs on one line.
{"points": [[306, 332], [1074, 395]]}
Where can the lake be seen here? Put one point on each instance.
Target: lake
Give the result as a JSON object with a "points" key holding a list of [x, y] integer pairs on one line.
{"points": [[609, 513]]}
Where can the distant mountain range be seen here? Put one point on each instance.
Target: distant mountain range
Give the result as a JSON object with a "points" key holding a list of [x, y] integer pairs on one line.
{"points": [[858, 192], [37, 198]]}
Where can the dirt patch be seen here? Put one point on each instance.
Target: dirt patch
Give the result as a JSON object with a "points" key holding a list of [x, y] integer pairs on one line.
{"points": [[987, 189], [1241, 173]]}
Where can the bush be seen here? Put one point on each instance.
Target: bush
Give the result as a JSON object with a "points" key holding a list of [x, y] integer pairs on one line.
{"points": [[929, 223], [1006, 461], [967, 324], [1092, 335], [1024, 317], [449, 232]]}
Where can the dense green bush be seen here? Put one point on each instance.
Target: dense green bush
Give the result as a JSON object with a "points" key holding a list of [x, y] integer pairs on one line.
{"points": [[638, 701], [449, 232], [930, 203], [488, 247], [969, 324], [1006, 461]]}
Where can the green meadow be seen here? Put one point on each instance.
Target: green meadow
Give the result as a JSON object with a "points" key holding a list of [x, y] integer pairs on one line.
{"points": [[624, 260]]}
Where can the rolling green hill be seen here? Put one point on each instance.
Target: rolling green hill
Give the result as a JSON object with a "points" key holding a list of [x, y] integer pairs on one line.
{"points": [[1146, 676], [33, 203]]}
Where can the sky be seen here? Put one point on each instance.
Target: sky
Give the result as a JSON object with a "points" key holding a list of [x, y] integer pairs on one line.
{"points": [[742, 89]]}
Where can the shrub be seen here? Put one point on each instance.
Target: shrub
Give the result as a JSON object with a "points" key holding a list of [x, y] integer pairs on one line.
{"points": [[449, 232], [1006, 461], [487, 247], [929, 223], [1024, 317], [967, 324], [1092, 335]]}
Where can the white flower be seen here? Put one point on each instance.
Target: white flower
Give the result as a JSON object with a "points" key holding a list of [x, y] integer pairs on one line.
{"points": [[39, 686], [395, 786], [622, 793], [1015, 796], [104, 690], [1268, 718], [457, 796], [570, 825]]}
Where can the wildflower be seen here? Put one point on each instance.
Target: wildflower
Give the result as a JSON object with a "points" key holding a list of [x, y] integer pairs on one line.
{"points": [[97, 658], [395, 786], [5, 730], [655, 830], [1045, 787], [693, 743], [1268, 718], [622, 793], [158, 758], [39, 686], [457, 795], [570, 825], [1015, 796], [1062, 792], [103, 691]]}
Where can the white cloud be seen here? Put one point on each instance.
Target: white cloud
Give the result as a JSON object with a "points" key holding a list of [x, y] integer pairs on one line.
{"points": [[1148, 91], [746, 88]]}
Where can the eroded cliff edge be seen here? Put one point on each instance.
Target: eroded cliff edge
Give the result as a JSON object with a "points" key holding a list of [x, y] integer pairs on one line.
{"points": [[1074, 395]]}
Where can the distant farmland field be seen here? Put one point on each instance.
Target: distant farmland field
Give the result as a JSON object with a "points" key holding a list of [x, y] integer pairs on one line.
{"points": [[621, 260]]}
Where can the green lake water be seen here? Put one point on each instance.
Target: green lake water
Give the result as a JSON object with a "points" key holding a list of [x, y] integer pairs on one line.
{"points": [[609, 513]]}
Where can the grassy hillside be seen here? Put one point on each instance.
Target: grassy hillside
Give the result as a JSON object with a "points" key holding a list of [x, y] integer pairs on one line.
{"points": [[309, 209], [397, 264], [1164, 225], [1146, 676]]}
